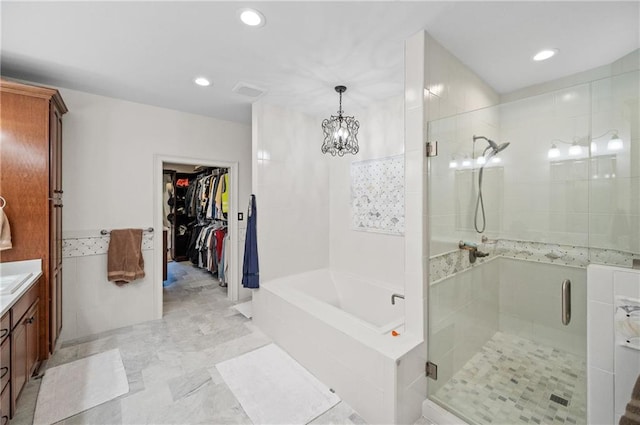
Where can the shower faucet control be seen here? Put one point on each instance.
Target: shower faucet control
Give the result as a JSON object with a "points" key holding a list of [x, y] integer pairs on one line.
{"points": [[394, 296], [473, 251]]}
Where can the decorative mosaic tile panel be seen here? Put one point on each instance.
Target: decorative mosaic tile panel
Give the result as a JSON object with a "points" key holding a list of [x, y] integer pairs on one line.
{"points": [[445, 265], [80, 247], [377, 195], [512, 380]]}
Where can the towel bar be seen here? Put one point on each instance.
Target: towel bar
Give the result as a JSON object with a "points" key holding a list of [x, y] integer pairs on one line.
{"points": [[106, 232]]}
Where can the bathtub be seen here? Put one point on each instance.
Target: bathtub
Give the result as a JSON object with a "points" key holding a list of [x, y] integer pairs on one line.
{"points": [[339, 326]]}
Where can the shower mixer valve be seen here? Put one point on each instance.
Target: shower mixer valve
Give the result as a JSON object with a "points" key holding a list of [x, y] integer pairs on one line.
{"points": [[473, 251]]}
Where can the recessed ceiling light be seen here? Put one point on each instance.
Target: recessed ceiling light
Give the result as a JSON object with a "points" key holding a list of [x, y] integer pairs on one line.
{"points": [[545, 54], [201, 81], [251, 17]]}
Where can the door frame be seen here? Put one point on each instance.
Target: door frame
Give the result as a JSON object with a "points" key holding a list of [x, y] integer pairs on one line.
{"points": [[233, 291]]}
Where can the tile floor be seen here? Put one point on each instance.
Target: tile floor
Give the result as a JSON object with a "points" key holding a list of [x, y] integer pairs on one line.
{"points": [[512, 380], [170, 363]]}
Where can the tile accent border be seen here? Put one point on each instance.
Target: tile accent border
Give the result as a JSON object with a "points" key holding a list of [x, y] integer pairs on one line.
{"points": [[450, 263], [80, 247]]}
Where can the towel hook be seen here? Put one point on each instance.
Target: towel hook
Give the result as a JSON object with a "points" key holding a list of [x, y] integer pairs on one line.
{"points": [[3, 202]]}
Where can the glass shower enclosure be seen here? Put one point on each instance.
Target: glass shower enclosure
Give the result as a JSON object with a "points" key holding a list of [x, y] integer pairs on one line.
{"points": [[512, 230]]}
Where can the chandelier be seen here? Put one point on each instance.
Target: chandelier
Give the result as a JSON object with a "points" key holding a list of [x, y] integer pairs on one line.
{"points": [[340, 132]]}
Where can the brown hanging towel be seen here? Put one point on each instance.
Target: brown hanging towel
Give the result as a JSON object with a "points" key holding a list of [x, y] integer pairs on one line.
{"points": [[125, 262], [632, 414]]}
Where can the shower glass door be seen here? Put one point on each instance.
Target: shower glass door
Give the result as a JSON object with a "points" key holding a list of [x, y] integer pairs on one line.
{"points": [[508, 225]]}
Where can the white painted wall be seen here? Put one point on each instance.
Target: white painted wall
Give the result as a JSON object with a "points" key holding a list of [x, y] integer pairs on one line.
{"points": [[291, 183], [108, 165], [374, 255]]}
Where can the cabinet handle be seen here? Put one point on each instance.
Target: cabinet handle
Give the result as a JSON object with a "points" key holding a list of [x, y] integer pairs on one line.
{"points": [[4, 370], [58, 191], [30, 319], [3, 332]]}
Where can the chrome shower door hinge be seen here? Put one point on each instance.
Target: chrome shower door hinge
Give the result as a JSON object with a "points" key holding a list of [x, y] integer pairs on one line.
{"points": [[432, 149], [431, 370]]}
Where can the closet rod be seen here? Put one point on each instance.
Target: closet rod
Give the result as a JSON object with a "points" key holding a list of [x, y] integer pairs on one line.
{"points": [[106, 232]]}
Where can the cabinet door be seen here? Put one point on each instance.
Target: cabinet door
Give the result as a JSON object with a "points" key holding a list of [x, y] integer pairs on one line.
{"points": [[55, 228], [5, 405], [59, 302], [18, 361], [5, 362], [31, 328]]}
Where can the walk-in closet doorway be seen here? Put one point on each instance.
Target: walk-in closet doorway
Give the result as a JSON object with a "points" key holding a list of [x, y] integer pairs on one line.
{"points": [[233, 280]]}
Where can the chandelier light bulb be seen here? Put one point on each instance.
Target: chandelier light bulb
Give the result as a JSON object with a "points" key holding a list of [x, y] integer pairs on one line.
{"points": [[481, 160]]}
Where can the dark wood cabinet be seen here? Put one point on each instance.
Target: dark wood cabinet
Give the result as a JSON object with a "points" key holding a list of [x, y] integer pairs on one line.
{"points": [[5, 405], [19, 349], [31, 183], [25, 342]]}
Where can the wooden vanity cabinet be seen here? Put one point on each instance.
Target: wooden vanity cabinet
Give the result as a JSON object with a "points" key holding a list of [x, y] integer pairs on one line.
{"points": [[5, 405], [19, 348], [24, 350], [31, 183]]}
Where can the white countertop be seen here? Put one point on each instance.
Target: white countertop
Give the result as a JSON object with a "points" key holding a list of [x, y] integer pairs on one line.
{"points": [[16, 268]]}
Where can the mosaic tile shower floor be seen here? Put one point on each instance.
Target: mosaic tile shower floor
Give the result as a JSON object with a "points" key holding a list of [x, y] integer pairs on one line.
{"points": [[512, 380]]}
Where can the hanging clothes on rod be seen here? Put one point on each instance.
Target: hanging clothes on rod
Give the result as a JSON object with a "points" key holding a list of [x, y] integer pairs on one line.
{"points": [[207, 202]]}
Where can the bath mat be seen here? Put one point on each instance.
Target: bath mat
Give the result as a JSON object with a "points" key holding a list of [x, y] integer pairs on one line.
{"points": [[71, 388], [244, 309], [275, 389]]}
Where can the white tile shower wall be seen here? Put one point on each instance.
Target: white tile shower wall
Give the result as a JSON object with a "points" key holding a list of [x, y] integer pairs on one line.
{"points": [[379, 256], [531, 302], [447, 87], [292, 191], [464, 316], [108, 162], [573, 201], [612, 368], [451, 88]]}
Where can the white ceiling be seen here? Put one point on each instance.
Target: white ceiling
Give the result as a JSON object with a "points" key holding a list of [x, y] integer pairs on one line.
{"points": [[149, 52]]}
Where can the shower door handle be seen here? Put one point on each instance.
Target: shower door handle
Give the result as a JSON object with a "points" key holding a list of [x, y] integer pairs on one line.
{"points": [[566, 302]]}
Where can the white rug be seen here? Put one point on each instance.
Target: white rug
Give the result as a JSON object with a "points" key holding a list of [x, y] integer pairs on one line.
{"points": [[244, 309], [71, 388], [274, 389]]}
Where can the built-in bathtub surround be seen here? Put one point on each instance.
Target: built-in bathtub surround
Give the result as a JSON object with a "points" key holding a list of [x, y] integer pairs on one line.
{"points": [[352, 349]]}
